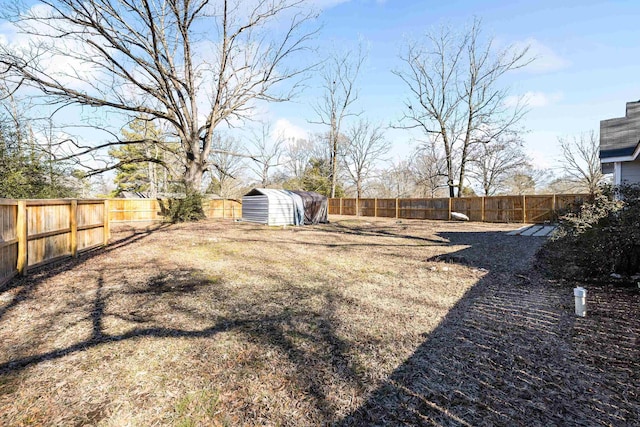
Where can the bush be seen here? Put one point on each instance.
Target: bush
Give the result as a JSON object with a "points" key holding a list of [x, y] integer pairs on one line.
{"points": [[598, 237], [186, 209]]}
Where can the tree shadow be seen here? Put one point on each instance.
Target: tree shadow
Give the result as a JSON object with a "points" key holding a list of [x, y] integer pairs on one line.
{"points": [[38, 275], [511, 352], [170, 293]]}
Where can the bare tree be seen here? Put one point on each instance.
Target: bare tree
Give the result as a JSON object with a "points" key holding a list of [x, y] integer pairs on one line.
{"points": [[455, 96], [525, 180], [267, 152], [297, 153], [365, 145], [153, 58], [339, 78], [429, 169], [492, 164], [396, 181], [225, 177], [581, 160]]}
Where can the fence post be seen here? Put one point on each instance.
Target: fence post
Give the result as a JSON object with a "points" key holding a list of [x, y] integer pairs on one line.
{"points": [[357, 207], [224, 211], [340, 211], [482, 210], [397, 209], [375, 207], [73, 224], [106, 228], [450, 202], [553, 207], [524, 208], [21, 231]]}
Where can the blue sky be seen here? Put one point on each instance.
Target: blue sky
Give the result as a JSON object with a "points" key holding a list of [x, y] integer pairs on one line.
{"points": [[587, 67]]}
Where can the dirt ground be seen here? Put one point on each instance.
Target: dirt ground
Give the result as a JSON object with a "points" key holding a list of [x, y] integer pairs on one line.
{"points": [[357, 322]]}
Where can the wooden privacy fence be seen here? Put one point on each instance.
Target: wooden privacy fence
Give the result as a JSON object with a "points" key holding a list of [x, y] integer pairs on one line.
{"points": [[37, 232], [143, 210], [528, 208]]}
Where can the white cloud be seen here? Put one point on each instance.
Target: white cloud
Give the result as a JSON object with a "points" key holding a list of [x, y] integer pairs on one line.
{"points": [[534, 99], [288, 130], [539, 160], [545, 60]]}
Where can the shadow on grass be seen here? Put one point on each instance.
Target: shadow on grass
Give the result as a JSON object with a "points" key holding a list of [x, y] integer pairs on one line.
{"points": [[508, 353], [512, 353], [37, 275]]}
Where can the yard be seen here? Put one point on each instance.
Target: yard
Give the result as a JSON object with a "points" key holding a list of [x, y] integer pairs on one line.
{"points": [[358, 322]]}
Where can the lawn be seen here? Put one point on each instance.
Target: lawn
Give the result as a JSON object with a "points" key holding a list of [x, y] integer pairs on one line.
{"points": [[357, 322]]}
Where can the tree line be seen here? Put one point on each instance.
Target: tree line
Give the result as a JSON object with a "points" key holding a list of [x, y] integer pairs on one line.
{"points": [[178, 75]]}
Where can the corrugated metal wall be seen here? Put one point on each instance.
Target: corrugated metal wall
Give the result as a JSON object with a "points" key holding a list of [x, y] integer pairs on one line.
{"points": [[281, 210], [268, 206], [255, 209]]}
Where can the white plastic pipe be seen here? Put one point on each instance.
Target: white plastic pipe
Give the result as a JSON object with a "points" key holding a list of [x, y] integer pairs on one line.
{"points": [[580, 294]]}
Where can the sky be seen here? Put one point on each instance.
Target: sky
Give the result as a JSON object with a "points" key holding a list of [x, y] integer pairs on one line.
{"points": [[586, 68]]}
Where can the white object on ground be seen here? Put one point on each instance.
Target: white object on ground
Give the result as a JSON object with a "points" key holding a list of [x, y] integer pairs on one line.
{"points": [[580, 294], [459, 216]]}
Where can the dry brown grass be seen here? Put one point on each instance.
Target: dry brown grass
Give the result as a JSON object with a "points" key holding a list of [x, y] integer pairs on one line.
{"points": [[220, 323]]}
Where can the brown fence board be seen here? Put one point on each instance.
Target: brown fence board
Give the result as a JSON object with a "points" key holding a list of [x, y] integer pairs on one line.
{"points": [[231, 209], [334, 206], [386, 208], [8, 239], [146, 210], [528, 208]]}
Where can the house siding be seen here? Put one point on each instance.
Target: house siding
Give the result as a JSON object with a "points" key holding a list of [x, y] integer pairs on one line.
{"points": [[630, 172]]}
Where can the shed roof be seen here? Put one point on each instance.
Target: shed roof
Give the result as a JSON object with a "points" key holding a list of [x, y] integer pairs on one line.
{"points": [[270, 193]]}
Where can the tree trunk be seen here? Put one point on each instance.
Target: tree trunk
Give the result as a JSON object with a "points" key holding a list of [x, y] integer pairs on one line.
{"points": [[334, 164], [193, 177]]}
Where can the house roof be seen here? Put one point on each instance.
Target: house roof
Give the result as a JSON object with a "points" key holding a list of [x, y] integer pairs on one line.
{"points": [[620, 137], [618, 152]]}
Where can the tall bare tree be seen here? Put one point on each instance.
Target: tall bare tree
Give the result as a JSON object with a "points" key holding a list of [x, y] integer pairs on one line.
{"points": [[492, 164], [429, 169], [267, 152], [581, 160], [297, 153], [339, 94], [187, 64], [396, 181], [225, 176], [365, 145], [455, 93]]}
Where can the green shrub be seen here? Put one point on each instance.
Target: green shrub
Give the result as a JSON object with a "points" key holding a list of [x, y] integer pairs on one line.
{"points": [[598, 237], [186, 209]]}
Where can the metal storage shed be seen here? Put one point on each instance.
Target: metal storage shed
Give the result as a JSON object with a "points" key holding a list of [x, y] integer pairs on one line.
{"points": [[268, 206]]}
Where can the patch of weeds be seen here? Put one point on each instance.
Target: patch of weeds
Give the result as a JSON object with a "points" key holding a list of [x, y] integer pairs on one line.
{"points": [[197, 408]]}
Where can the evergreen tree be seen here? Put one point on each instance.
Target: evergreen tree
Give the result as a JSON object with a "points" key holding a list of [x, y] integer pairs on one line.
{"points": [[144, 166], [27, 171]]}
